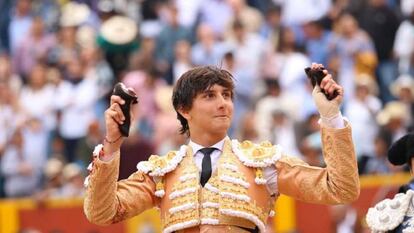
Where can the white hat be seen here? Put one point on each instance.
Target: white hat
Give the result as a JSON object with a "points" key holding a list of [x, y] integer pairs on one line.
{"points": [[392, 110], [368, 81], [53, 167], [86, 36], [119, 30], [403, 81], [74, 14], [71, 170]]}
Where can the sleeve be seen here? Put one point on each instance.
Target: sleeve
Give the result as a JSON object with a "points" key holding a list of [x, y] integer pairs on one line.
{"points": [[108, 201], [338, 183]]}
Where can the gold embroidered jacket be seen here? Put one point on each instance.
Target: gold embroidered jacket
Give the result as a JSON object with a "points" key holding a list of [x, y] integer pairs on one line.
{"points": [[235, 197]]}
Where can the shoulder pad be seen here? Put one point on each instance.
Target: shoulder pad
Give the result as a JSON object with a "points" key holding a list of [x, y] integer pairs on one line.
{"points": [[389, 213], [161, 165], [256, 155]]}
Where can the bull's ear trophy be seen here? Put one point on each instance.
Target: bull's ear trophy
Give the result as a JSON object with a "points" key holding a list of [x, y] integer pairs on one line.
{"points": [[130, 97], [315, 76]]}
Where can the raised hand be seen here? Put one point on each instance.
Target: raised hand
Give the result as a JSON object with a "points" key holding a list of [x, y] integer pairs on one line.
{"points": [[327, 108]]}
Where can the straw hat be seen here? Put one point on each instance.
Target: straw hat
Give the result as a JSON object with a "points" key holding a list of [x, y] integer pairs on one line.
{"points": [[403, 81], [392, 110], [71, 170], [74, 14], [53, 168], [119, 30], [368, 81]]}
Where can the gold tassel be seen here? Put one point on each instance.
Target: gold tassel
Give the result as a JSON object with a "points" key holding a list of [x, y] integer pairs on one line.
{"points": [[259, 173]]}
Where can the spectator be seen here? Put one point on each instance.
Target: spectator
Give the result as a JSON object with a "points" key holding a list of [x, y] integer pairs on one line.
{"points": [[53, 180], [217, 14], [286, 63], [283, 132], [377, 162], [403, 90], [73, 181], [170, 34], [145, 83], [33, 48], [361, 111], [20, 23], [393, 119], [317, 41], [10, 114], [349, 42], [182, 60], [37, 98], [208, 50], [381, 23], [404, 46], [22, 162], [75, 99], [7, 76], [247, 47], [271, 26], [249, 16]]}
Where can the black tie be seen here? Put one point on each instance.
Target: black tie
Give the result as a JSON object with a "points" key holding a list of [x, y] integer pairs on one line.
{"points": [[206, 165]]}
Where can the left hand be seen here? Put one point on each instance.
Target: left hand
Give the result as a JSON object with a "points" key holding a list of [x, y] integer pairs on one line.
{"points": [[327, 108]]}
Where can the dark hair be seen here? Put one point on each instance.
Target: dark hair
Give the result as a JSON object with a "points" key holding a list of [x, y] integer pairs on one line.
{"points": [[193, 82]]}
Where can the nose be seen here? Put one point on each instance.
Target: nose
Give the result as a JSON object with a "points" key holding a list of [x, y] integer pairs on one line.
{"points": [[223, 102]]}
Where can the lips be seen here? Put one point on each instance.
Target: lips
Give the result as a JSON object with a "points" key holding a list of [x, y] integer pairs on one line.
{"points": [[222, 116]]}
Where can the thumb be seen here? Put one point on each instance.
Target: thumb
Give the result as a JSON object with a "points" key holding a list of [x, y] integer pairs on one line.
{"points": [[316, 90]]}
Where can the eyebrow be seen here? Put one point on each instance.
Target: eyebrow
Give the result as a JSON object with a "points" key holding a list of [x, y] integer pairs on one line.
{"points": [[209, 90]]}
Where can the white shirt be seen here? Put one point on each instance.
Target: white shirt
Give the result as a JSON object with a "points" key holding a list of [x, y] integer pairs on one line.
{"points": [[270, 173], [77, 105]]}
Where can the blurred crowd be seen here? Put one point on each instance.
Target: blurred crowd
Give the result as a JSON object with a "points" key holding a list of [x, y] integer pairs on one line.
{"points": [[60, 59]]}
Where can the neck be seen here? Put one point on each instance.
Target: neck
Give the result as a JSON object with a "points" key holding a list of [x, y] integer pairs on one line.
{"points": [[207, 140]]}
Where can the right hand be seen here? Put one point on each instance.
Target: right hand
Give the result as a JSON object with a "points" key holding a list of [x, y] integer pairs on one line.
{"points": [[327, 108]]}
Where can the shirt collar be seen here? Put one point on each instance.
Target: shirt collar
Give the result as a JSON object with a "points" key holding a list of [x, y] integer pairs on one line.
{"points": [[196, 147]]}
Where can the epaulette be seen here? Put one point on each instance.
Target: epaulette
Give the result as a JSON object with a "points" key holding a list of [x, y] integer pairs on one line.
{"points": [[389, 213], [256, 155], [157, 166]]}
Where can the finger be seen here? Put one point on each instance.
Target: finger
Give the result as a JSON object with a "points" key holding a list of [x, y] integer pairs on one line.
{"points": [[115, 113], [118, 109], [329, 84], [332, 89], [112, 116], [316, 89], [116, 99], [326, 80], [340, 95], [316, 66], [132, 111]]}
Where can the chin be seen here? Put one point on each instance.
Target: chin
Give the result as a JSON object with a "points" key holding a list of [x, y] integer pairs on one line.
{"points": [[223, 128]]}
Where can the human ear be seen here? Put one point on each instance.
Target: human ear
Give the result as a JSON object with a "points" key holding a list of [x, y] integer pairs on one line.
{"points": [[184, 113]]}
